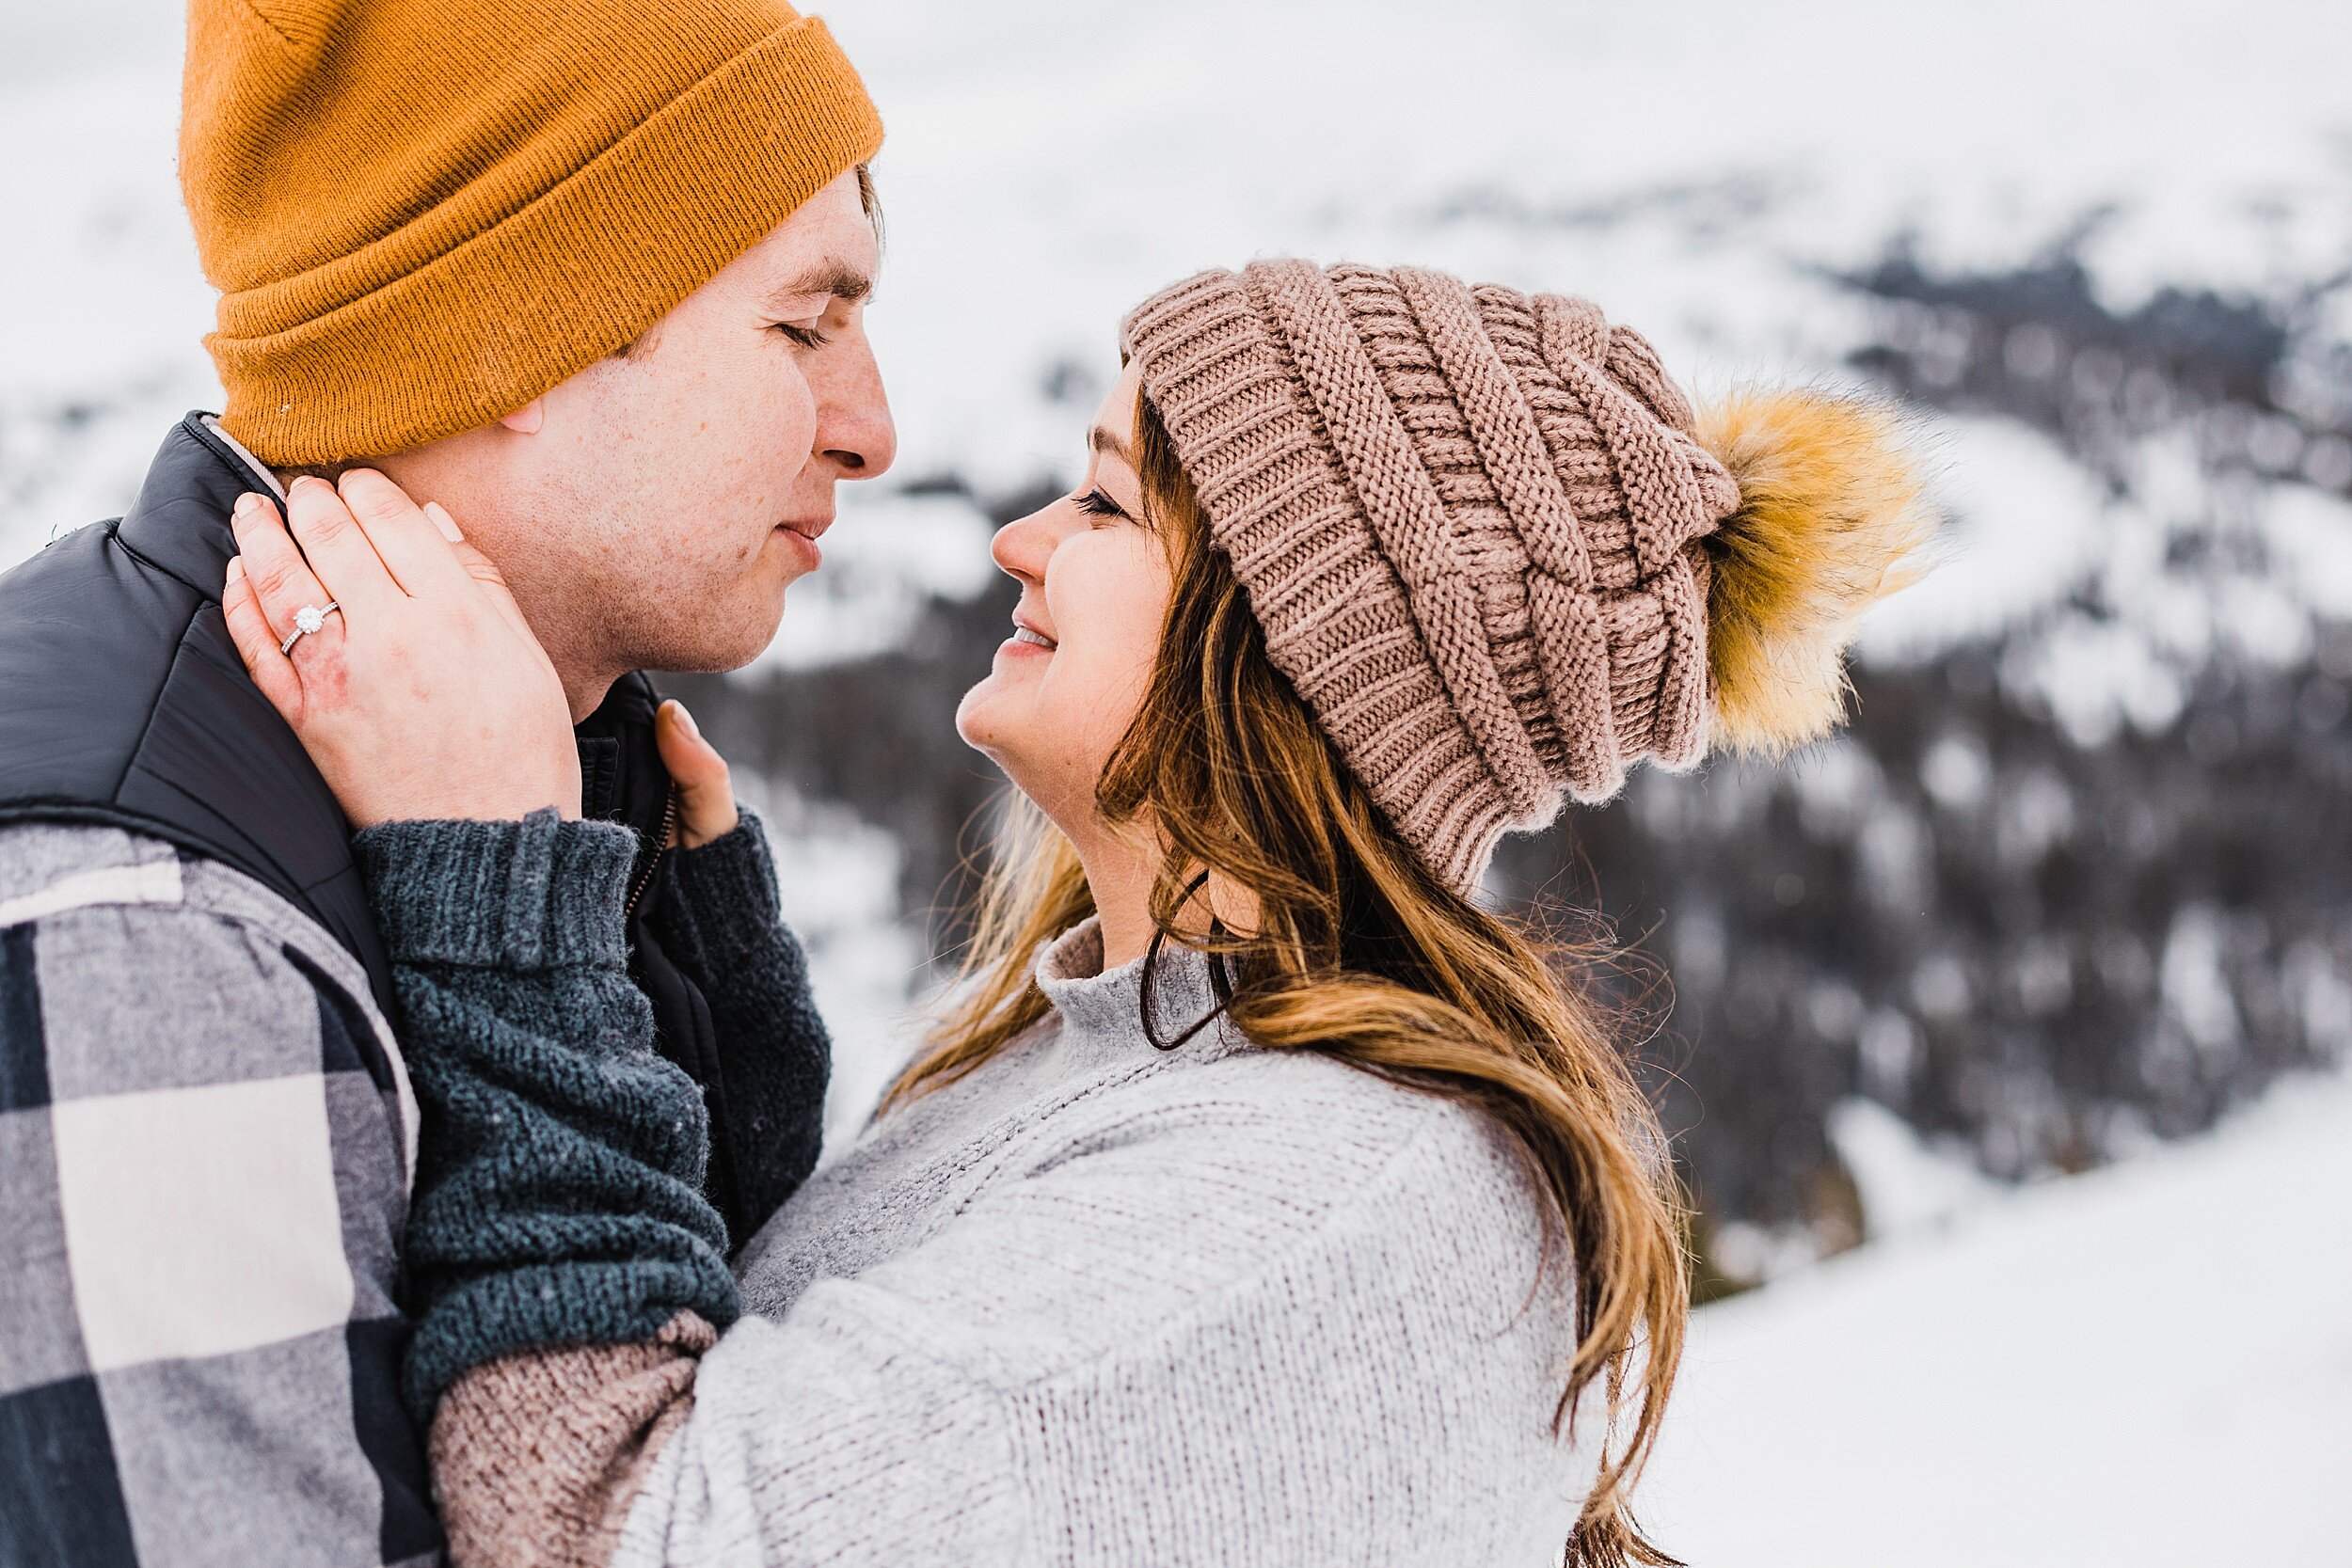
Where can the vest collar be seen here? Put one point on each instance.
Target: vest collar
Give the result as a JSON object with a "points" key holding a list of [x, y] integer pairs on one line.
{"points": [[180, 523]]}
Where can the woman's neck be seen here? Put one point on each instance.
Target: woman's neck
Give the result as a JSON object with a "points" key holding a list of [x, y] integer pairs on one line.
{"points": [[1122, 867], [1119, 873]]}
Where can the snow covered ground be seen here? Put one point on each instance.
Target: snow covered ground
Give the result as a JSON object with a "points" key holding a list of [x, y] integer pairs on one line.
{"points": [[2150, 1364]]}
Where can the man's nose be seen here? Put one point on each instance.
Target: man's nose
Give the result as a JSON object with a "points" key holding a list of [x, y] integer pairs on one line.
{"points": [[854, 430]]}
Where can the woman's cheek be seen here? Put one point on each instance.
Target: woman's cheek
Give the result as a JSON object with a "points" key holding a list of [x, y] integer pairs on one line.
{"points": [[1116, 691]]}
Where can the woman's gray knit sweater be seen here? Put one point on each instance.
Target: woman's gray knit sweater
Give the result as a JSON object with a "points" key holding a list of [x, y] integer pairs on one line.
{"points": [[1098, 1303]]}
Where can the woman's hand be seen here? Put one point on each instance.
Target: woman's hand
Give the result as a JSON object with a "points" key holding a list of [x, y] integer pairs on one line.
{"points": [[705, 796], [425, 695]]}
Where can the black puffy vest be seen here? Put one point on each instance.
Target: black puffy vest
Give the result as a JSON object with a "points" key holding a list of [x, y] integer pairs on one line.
{"points": [[122, 701]]}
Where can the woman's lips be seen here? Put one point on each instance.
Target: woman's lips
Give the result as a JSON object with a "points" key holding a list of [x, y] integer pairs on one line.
{"points": [[1027, 640]]}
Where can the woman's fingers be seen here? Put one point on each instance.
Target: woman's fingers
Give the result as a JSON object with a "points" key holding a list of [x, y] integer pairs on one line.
{"points": [[257, 646], [706, 793], [281, 580], [405, 540], [338, 548], [480, 568]]}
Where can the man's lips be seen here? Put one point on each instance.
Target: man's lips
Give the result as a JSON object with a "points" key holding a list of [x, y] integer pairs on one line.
{"points": [[810, 529]]}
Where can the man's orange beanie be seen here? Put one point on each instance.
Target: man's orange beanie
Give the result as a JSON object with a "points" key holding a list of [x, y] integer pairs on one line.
{"points": [[423, 213]]}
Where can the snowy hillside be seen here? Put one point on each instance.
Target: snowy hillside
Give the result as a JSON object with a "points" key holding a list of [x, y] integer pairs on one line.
{"points": [[2150, 1364], [1701, 170], [2080, 882]]}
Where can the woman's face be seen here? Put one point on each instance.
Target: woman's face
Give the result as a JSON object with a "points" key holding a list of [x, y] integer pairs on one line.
{"points": [[1094, 589]]}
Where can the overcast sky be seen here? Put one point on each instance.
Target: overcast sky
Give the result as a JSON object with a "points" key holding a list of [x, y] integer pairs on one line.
{"points": [[45, 39]]}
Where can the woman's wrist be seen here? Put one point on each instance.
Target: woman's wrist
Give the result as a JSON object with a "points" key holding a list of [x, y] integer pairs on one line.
{"points": [[731, 879], [535, 893]]}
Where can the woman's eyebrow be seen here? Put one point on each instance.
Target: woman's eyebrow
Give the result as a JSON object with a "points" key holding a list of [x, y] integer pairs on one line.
{"points": [[1110, 442]]}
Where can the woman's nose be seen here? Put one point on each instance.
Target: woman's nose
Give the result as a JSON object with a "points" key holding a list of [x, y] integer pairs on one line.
{"points": [[1021, 546]]}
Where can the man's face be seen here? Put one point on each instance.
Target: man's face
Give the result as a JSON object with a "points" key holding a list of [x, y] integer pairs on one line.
{"points": [[669, 494]]}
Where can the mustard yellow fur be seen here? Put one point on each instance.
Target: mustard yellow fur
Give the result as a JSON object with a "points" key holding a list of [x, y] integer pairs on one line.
{"points": [[1833, 517]]}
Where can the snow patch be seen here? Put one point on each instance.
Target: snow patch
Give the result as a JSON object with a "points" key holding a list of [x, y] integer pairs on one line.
{"points": [[2150, 1364], [1907, 1185]]}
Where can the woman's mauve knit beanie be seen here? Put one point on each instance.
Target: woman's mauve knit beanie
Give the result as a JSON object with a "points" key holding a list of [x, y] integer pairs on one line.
{"points": [[423, 214], [1496, 549]]}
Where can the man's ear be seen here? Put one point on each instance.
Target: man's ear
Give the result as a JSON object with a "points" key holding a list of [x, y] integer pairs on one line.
{"points": [[527, 420]]}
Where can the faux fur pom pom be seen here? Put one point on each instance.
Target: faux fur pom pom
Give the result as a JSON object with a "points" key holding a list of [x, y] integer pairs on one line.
{"points": [[1833, 517]]}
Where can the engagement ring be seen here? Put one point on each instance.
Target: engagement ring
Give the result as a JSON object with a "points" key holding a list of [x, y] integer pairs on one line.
{"points": [[308, 620]]}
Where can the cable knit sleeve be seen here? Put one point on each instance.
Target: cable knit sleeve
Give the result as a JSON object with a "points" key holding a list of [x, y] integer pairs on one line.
{"points": [[558, 1195]]}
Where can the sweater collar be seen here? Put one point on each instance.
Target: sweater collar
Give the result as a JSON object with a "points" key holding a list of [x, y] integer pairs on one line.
{"points": [[1102, 1013]]}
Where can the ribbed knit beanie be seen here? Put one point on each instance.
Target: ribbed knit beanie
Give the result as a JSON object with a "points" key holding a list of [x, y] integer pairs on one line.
{"points": [[423, 213], [1485, 535]]}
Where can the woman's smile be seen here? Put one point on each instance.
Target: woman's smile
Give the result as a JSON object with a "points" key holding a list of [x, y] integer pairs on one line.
{"points": [[1029, 641]]}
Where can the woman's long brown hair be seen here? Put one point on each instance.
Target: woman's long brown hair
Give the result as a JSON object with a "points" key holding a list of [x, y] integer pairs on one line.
{"points": [[1355, 951]]}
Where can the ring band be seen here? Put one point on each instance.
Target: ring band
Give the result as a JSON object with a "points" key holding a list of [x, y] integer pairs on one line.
{"points": [[308, 620]]}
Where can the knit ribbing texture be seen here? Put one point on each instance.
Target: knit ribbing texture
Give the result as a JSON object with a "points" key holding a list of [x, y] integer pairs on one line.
{"points": [[1099, 1304], [559, 1196], [719, 920], [423, 213], [1469, 520]]}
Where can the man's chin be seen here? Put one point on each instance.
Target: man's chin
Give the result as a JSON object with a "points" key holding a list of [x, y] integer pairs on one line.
{"points": [[710, 648]]}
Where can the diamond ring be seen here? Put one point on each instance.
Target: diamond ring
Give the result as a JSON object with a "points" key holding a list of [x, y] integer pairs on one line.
{"points": [[308, 620]]}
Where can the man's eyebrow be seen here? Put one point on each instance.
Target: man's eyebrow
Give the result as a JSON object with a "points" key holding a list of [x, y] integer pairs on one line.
{"points": [[1099, 439], [842, 281]]}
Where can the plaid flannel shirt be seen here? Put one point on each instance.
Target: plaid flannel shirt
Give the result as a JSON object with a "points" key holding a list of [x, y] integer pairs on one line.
{"points": [[207, 1140]]}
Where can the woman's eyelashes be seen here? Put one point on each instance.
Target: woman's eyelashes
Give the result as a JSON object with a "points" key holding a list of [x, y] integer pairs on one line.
{"points": [[1095, 503]]}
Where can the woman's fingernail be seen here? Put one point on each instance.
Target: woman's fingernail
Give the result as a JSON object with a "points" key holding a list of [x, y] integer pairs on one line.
{"points": [[247, 504], [237, 568], [442, 521], [687, 719]]}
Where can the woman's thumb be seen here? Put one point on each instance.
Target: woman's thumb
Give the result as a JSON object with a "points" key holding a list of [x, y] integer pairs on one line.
{"points": [[706, 793]]}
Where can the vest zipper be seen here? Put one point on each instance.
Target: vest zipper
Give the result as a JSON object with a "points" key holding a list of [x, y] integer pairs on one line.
{"points": [[660, 847]]}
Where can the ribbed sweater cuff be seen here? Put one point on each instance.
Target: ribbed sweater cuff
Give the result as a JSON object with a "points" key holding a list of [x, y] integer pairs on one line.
{"points": [[727, 894], [538, 893], [566, 1304]]}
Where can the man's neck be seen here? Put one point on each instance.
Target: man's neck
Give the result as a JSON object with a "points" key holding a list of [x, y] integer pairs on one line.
{"points": [[585, 685], [584, 693]]}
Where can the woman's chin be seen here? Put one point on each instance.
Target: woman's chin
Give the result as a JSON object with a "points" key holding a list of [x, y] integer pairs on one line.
{"points": [[998, 724], [978, 720], [1003, 700]]}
